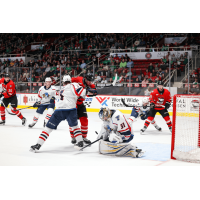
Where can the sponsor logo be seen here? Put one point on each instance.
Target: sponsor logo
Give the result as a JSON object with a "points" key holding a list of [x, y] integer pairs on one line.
{"points": [[87, 102], [103, 100], [148, 55], [52, 124], [25, 99], [194, 105]]}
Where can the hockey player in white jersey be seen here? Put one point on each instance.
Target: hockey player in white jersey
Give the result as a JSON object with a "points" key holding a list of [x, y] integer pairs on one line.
{"points": [[141, 110], [65, 110], [116, 133], [47, 96]]}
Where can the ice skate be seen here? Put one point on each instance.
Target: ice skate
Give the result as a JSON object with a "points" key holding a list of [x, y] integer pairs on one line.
{"points": [[73, 141], [170, 128], [24, 121], [158, 128], [86, 141], [2, 122], [35, 148], [79, 145], [143, 130], [31, 125]]}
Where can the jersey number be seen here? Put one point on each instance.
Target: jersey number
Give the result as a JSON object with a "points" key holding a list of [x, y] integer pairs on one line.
{"points": [[122, 125]]}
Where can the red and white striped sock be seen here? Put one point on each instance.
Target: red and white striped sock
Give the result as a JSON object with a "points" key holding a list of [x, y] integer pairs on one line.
{"points": [[17, 112], [44, 135], [77, 133], [3, 114]]}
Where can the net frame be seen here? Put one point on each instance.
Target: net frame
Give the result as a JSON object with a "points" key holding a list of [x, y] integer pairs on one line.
{"points": [[174, 124]]}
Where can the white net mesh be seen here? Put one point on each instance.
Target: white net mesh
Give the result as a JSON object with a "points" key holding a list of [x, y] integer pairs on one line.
{"points": [[187, 140]]}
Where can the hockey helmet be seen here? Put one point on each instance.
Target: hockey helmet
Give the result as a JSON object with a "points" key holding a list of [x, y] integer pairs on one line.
{"points": [[105, 114], [160, 83], [6, 75], [66, 78], [89, 77], [48, 79], [145, 100]]}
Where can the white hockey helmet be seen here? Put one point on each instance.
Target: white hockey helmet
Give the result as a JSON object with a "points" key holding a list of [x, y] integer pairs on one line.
{"points": [[145, 100], [48, 79], [66, 78]]}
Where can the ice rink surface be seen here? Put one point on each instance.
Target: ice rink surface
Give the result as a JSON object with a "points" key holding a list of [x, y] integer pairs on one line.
{"points": [[15, 142]]}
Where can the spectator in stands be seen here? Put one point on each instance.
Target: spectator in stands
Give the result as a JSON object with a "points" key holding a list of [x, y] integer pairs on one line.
{"points": [[145, 81], [134, 48], [163, 66], [148, 91], [196, 83], [150, 67], [98, 55], [151, 78], [83, 65], [26, 74], [157, 79], [142, 43], [147, 73], [34, 90], [110, 80], [122, 64], [153, 72], [137, 80], [194, 73], [104, 80], [116, 57], [112, 67], [27, 90], [130, 63], [97, 78]]}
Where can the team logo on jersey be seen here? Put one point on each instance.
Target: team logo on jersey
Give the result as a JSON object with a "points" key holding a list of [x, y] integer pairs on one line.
{"points": [[103, 100], [160, 100], [45, 95]]}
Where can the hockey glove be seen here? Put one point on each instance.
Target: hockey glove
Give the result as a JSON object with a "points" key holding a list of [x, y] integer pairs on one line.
{"points": [[93, 91], [36, 104], [52, 100], [1, 95], [167, 105], [152, 105]]}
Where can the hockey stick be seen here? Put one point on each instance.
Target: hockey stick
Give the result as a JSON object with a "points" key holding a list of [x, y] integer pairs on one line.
{"points": [[32, 106], [91, 143], [6, 108], [126, 105]]}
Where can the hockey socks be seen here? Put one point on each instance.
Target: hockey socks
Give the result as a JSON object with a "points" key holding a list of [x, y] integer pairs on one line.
{"points": [[17, 112], [3, 116], [48, 116], [44, 135], [169, 123], [84, 126], [35, 118]]}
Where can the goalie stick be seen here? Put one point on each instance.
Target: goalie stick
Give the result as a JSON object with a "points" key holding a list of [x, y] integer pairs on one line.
{"points": [[90, 143]]}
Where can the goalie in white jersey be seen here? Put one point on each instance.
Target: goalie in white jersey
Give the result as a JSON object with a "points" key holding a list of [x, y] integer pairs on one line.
{"points": [[141, 110], [65, 110], [116, 133], [47, 95]]}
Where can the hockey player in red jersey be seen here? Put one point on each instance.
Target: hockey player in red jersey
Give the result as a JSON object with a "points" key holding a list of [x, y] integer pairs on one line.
{"points": [[85, 82], [9, 94], [160, 101]]}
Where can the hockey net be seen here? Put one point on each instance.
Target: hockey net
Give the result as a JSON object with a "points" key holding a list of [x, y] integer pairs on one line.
{"points": [[185, 129]]}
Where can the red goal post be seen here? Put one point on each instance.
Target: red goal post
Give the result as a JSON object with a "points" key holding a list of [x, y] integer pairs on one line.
{"points": [[185, 144]]}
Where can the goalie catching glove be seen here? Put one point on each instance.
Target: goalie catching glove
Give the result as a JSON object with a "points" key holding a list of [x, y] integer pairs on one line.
{"points": [[167, 105]]}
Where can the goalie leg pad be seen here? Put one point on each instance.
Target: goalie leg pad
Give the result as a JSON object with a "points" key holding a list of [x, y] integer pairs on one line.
{"points": [[3, 114], [122, 149]]}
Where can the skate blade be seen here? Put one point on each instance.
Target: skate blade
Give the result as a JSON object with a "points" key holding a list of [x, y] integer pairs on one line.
{"points": [[24, 123], [77, 147], [32, 150]]}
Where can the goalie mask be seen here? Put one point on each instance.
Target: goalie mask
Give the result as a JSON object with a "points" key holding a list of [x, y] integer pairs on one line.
{"points": [[105, 114]]}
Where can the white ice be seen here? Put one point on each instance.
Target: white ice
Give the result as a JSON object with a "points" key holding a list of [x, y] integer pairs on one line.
{"points": [[15, 142]]}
